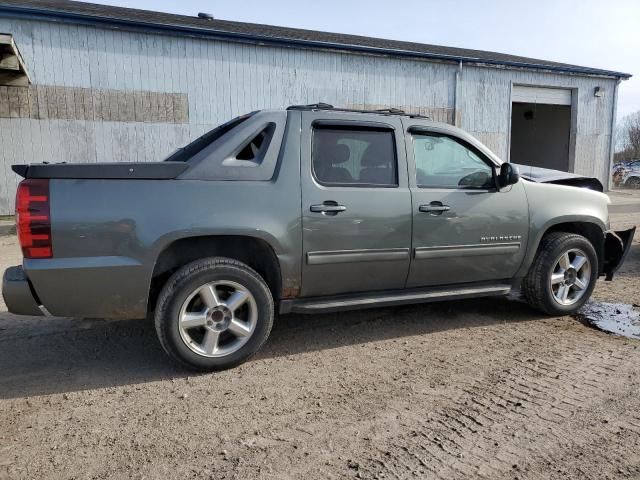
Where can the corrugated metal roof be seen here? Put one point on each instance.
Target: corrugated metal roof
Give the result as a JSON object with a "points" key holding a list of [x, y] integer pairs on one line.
{"points": [[93, 13]]}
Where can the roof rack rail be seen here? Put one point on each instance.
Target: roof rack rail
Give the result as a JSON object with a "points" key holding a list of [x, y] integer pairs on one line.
{"points": [[312, 106], [391, 110], [380, 111]]}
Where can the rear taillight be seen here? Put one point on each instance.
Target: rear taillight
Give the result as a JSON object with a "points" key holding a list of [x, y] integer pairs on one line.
{"points": [[33, 220]]}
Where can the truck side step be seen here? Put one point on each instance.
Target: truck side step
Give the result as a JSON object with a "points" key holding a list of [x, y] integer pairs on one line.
{"points": [[388, 298]]}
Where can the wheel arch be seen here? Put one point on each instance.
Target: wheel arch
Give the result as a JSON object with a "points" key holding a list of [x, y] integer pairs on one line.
{"points": [[591, 229], [255, 252], [632, 180]]}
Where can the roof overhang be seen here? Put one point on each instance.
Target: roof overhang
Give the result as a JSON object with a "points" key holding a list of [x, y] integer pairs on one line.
{"points": [[49, 14], [12, 68]]}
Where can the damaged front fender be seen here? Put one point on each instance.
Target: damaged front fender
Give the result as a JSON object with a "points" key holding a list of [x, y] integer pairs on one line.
{"points": [[616, 248]]}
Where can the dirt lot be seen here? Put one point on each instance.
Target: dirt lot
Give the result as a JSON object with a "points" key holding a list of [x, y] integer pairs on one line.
{"points": [[468, 389]]}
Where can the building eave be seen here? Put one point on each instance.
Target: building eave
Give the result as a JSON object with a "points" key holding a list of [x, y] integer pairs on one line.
{"points": [[51, 15]]}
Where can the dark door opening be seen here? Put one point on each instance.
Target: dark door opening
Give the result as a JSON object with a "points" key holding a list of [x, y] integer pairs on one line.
{"points": [[540, 135]]}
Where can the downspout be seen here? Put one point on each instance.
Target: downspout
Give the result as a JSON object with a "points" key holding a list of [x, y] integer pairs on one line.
{"points": [[456, 97], [612, 146]]}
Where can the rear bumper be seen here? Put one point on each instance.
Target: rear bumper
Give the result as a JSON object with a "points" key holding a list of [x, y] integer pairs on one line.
{"points": [[18, 293], [87, 287], [616, 248], [90, 287]]}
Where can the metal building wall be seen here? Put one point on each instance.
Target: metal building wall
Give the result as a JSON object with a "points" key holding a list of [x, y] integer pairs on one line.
{"points": [[490, 119], [112, 95]]}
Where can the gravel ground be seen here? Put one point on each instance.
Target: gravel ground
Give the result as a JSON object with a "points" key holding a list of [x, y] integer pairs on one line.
{"points": [[468, 389]]}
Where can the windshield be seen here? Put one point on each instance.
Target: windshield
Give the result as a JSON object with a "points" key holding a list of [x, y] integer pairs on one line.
{"points": [[185, 153]]}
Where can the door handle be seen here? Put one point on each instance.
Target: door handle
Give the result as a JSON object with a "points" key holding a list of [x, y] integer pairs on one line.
{"points": [[434, 208], [328, 208]]}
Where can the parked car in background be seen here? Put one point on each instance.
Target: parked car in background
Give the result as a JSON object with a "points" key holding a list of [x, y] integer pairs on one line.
{"points": [[631, 177], [310, 209], [617, 173], [626, 174]]}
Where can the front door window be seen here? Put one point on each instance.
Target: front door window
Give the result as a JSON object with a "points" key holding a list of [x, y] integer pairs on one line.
{"points": [[442, 162]]}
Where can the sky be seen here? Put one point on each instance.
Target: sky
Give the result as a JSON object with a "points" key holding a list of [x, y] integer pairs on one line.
{"points": [[589, 33]]}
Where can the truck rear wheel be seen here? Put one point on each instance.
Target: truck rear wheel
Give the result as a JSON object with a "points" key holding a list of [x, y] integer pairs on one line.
{"points": [[214, 314], [563, 274]]}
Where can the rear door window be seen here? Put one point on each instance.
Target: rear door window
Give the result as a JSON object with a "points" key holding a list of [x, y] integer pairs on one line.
{"points": [[354, 157]]}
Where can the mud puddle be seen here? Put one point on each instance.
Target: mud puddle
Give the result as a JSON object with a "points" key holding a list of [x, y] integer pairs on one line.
{"points": [[617, 318]]}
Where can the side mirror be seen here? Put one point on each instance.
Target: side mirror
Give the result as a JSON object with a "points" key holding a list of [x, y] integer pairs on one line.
{"points": [[508, 175]]}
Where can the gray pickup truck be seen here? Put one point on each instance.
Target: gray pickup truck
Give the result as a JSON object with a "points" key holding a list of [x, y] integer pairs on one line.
{"points": [[308, 209]]}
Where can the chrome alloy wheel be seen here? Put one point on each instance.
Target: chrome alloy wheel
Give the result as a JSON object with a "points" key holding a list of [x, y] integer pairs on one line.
{"points": [[570, 277], [218, 318]]}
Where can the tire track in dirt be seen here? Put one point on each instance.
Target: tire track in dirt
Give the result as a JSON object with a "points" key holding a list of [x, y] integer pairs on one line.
{"points": [[491, 428]]}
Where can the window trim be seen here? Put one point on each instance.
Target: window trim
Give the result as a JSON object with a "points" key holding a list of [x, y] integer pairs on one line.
{"points": [[232, 160], [187, 152], [351, 124], [469, 146], [355, 126]]}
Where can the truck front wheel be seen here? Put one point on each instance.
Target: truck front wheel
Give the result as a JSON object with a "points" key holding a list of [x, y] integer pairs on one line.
{"points": [[214, 314], [563, 274]]}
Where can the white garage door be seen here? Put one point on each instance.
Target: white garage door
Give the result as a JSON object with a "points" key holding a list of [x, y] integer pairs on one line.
{"points": [[549, 96]]}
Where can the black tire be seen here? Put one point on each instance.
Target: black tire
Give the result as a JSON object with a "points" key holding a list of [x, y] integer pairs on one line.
{"points": [[536, 286], [633, 182], [186, 281]]}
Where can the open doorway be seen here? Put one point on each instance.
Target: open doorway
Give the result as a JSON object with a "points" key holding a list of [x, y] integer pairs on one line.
{"points": [[541, 132]]}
